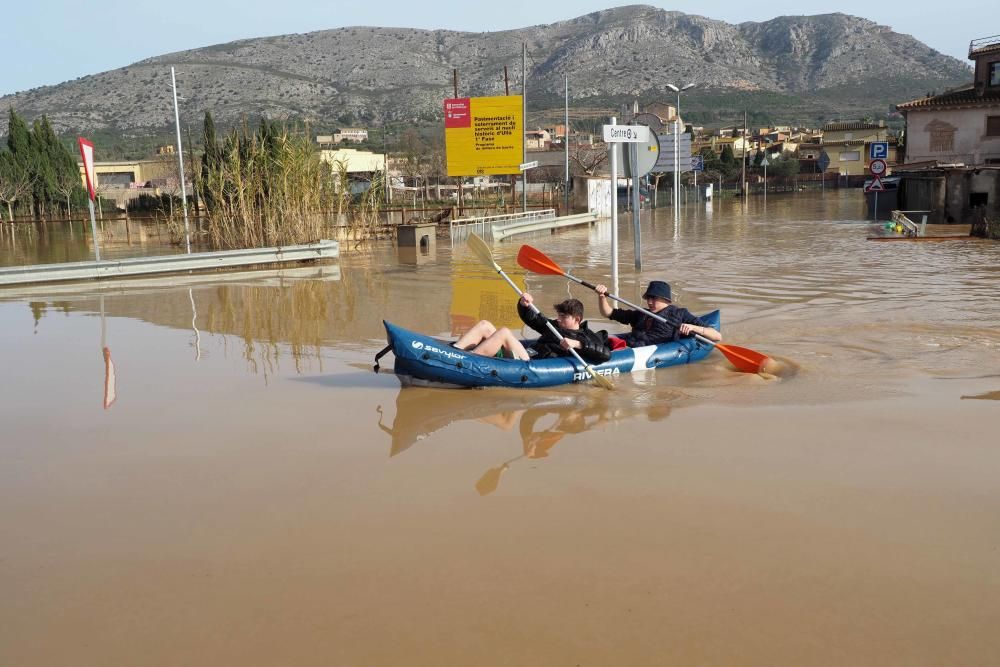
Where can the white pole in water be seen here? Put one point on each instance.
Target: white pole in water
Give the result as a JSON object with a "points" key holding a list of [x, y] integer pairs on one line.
{"points": [[612, 147], [677, 138], [180, 162]]}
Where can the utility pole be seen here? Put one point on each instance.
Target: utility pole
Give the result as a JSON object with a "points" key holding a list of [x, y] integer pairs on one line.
{"points": [[524, 122], [743, 176]]}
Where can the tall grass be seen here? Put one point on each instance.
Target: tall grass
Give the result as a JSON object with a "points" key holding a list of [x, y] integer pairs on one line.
{"points": [[266, 187]]}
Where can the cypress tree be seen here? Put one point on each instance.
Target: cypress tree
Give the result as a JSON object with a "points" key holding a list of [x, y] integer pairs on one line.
{"points": [[210, 162]]}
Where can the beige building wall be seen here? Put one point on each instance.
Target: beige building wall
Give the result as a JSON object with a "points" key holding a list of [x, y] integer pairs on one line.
{"points": [[951, 136], [353, 160]]}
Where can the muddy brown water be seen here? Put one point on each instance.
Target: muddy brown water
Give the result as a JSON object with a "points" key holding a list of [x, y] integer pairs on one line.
{"points": [[255, 495]]}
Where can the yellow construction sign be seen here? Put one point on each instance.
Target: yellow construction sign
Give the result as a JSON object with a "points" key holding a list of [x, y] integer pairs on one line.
{"points": [[484, 135]]}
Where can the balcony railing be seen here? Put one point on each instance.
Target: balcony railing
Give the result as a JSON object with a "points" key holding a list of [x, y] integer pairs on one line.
{"points": [[983, 43]]}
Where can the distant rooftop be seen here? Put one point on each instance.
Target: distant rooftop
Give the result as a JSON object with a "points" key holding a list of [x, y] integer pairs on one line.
{"points": [[984, 44], [853, 125], [962, 96]]}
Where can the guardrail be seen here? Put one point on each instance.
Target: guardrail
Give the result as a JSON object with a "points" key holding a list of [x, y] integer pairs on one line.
{"points": [[136, 266], [485, 226]]}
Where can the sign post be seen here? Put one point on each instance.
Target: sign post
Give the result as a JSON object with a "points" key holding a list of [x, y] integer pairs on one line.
{"points": [[619, 134], [877, 167], [764, 164], [87, 154], [823, 163], [697, 164], [614, 202]]}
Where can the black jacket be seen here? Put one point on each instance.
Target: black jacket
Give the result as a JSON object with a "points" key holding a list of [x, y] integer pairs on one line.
{"points": [[647, 330], [593, 344]]}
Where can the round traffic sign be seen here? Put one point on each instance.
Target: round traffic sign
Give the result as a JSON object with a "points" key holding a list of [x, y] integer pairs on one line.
{"points": [[877, 167]]}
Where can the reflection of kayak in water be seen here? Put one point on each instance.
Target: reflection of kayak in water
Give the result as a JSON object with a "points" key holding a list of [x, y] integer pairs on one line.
{"points": [[428, 359], [540, 420], [421, 411]]}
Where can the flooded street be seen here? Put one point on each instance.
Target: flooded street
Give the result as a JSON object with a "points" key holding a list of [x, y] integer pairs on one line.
{"points": [[255, 495]]}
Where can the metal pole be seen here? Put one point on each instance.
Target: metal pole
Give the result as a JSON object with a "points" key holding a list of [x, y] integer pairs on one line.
{"points": [[524, 121], [93, 230], [385, 175], [614, 210], [566, 146], [636, 205], [677, 171], [180, 162], [744, 172]]}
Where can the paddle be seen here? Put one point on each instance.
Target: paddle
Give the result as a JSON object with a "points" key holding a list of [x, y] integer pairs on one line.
{"points": [[484, 253], [745, 360]]}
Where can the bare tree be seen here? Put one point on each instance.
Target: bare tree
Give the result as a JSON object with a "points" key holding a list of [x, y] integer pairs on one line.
{"points": [[66, 184], [589, 158], [15, 184]]}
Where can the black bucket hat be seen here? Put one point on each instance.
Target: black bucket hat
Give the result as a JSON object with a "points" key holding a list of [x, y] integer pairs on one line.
{"points": [[659, 289]]}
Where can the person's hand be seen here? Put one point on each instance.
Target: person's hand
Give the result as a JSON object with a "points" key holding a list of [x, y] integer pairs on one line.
{"points": [[569, 344], [687, 329], [602, 291], [527, 299]]}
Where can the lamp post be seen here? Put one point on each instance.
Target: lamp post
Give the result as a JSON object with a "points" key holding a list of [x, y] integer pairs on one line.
{"points": [[677, 170]]}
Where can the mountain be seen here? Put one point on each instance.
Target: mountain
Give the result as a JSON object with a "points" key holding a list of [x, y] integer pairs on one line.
{"points": [[791, 69]]}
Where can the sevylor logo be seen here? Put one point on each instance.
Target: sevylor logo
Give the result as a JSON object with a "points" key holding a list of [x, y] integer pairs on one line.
{"points": [[417, 345]]}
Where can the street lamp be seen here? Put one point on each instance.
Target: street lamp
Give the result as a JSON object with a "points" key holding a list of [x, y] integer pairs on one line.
{"points": [[677, 170]]}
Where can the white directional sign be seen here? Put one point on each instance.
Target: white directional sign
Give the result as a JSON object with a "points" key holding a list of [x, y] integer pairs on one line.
{"points": [[525, 166], [877, 167], [631, 134], [878, 150]]}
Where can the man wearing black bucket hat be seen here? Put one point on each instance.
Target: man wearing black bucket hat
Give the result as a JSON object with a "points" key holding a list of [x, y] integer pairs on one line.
{"points": [[647, 330]]}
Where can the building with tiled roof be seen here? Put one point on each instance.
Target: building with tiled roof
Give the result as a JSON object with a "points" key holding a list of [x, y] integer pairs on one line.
{"points": [[846, 144], [960, 126], [952, 162]]}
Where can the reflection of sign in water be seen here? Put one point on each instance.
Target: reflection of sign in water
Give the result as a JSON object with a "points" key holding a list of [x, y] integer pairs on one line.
{"points": [[110, 381], [476, 295], [483, 135]]}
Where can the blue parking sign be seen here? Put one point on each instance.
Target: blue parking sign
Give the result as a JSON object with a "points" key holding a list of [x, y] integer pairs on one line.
{"points": [[697, 163], [878, 150]]}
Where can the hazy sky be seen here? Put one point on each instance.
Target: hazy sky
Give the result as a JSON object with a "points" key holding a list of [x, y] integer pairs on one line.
{"points": [[46, 42]]}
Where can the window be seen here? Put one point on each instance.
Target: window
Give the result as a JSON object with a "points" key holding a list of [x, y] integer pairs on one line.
{"points": [[995, 74], [942, 136], [850, 156], [993, 126]]}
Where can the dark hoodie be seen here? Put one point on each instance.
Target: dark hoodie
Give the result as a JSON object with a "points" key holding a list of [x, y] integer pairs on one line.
{"points": [[593, 344]]}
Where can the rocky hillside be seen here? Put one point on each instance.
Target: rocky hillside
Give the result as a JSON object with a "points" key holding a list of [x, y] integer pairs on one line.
{"points": [[792, 68]]}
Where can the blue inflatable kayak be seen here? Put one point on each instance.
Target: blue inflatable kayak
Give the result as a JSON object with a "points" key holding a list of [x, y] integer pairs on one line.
{"points": [[423, 359]]}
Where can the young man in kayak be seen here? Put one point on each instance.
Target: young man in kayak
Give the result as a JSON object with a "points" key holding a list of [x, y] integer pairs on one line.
{"points": [[647, 330], [485, 339]]}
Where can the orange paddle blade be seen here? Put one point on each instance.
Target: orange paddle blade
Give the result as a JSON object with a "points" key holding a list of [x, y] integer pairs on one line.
{"points": [[537, 262], [745, 360]]}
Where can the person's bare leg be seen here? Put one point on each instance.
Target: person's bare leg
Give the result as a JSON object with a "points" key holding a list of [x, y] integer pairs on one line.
{"points": [[502, 338], [477, 334]]}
